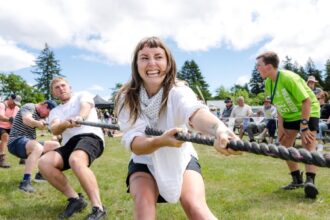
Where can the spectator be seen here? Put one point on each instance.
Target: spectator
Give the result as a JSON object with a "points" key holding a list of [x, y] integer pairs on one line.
{"points": [[325, 118], [242, 114], [106, 116], [311, 82], [218, 112], [298, 111], [256, 125], [22, 138], [8, 111], [227, 110], [270, 114]]}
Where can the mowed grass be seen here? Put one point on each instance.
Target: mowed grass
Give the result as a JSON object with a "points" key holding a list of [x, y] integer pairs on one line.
{"points": [[237, 187]]}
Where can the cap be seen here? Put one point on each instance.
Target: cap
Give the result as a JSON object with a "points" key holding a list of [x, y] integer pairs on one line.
{"points": [[312, 79], [267, 99], [50, 104], [227, 99], [16, 99]]}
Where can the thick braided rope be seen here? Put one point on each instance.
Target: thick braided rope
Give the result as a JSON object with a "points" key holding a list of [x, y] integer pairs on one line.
{"points": [[101, 125], [293, 154]]}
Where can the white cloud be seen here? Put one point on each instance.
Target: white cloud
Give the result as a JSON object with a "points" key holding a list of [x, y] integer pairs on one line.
{"points": [[12, 57], [242, 80], [110, 29], [96, 88]]}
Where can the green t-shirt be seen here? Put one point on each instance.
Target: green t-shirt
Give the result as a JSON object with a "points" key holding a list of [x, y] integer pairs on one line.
{"points": [[290, 92]]}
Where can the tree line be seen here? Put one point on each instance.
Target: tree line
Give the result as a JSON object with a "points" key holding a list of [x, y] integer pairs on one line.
{"points": [[253, 91], [48, 67]]}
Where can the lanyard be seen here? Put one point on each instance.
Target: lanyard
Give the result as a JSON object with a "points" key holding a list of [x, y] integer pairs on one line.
{"points": [[272, 92]]}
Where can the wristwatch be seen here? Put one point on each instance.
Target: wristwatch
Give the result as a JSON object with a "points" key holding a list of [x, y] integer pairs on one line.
{"points": [[304, 122]]}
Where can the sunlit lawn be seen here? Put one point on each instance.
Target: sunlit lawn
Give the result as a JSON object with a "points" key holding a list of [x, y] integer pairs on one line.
{"points": [[237, 187]]}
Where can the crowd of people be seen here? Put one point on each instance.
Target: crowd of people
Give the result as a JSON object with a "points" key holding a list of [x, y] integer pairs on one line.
{"points": [[161, 168], [263, 122]]}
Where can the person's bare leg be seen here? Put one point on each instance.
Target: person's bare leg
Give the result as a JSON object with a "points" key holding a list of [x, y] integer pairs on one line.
{"points": [[3, 143], [287, 141], [311, 147], [33, 150], [193, 197], [50, 166], [143, 189], [79, 164]]}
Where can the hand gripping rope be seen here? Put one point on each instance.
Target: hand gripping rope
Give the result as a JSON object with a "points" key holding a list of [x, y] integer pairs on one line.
{"points": [[293, 154]]}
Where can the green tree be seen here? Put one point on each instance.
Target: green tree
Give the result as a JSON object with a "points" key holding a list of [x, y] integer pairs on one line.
{"points": [[11, 83], [311, 70], [222, 93], [47, 68], [238, 91], [288, 64], [115, 90], [191, 73], [256, 82], [327, 76]]}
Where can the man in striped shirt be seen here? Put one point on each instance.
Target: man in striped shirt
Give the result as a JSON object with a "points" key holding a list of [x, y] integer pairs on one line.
{"points": [[22, 139]]}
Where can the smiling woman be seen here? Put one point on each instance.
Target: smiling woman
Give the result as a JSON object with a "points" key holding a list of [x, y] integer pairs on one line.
{"points": [[164, 169]]}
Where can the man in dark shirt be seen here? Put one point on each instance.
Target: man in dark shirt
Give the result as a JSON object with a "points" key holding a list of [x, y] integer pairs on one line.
{"points": [[227, 111]]}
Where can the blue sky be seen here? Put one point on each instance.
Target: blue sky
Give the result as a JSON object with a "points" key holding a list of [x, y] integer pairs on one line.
{"points": [[94, 40]]}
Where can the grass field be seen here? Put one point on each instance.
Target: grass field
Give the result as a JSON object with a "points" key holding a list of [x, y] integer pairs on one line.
{"points": [[238, 187]]}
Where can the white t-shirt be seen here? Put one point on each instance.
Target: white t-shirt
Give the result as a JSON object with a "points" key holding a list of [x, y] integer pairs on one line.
{"points": [[166, 164], [240, 113], [71, 109], [270, 113]]}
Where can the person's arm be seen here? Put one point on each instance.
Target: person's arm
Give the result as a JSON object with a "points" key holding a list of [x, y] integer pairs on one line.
{"points": [[146, 145], [57, 127], [3, 117], [206, 123], [85, 109], [280, 128], [6, 119], [31, 122], [306, 109], [306, 135], [250, 112]]}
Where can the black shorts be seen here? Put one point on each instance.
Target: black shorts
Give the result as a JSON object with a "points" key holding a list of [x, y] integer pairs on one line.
{"points": [[313, 124], [89, 143], [4, 130], [139, 167], [271, 126]]}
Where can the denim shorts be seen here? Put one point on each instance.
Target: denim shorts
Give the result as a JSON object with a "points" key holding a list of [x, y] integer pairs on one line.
{"points": [[139, 167], [18, 147]]}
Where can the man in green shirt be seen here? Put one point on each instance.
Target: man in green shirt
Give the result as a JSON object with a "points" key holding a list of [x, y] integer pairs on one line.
{"points": [[299, 111]]}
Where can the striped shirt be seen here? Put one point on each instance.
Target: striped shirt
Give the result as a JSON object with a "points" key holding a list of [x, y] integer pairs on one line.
{"points": [[19, 129]]}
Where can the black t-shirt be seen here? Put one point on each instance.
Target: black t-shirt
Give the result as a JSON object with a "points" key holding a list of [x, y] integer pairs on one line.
{"points": [[325, 111]]}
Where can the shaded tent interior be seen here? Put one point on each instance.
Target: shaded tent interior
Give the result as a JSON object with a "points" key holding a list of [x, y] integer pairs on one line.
{"points": [[103, 104]]}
